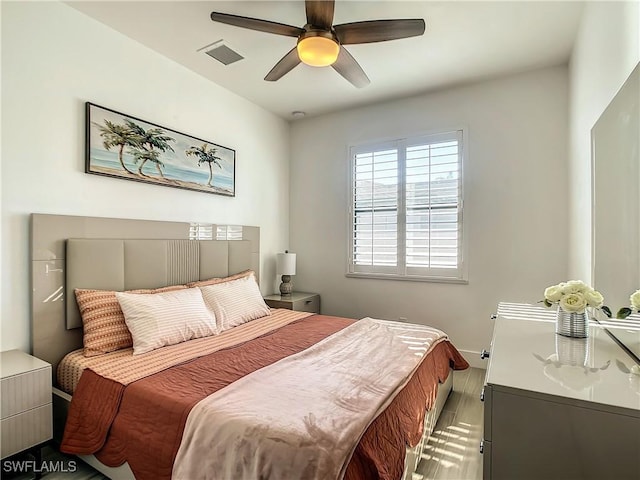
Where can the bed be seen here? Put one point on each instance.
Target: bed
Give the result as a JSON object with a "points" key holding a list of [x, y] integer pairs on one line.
{"points": [[142, 414]]}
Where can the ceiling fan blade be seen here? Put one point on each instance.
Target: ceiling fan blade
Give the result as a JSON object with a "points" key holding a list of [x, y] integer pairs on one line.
{"points": [[284, 66], [347, 66], [257, 24], [320, 13], [378, 30]]}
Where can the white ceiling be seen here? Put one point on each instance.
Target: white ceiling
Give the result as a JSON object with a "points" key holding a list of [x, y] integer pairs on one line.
{"points": [[463, 42]]}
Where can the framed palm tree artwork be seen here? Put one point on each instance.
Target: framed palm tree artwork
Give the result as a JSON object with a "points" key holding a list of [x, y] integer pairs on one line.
{"points": [[123, 146]]}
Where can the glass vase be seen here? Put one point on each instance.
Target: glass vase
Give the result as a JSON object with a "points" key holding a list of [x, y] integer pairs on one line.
{"points": [[572, 324]]}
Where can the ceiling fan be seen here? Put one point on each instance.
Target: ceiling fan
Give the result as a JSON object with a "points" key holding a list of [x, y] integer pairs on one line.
{"points": [[320, 43]]}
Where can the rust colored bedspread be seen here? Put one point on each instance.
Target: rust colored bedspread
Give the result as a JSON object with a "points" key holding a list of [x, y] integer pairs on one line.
{"points": [[142, 424]]}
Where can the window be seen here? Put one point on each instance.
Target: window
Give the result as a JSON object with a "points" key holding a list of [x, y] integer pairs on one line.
{"points": [[406, 211]]}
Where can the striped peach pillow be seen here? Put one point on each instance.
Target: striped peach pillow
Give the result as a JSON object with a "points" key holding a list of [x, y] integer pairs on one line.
{"points": [[165, 318], [103, 321], [235, 302], [215, 281]]}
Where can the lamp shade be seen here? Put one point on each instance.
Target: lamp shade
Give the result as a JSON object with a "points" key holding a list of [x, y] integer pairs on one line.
{"points": [[286, 264], [318, 51]]}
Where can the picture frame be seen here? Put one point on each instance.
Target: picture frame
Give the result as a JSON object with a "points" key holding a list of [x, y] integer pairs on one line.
{"points": [[122, 146]]}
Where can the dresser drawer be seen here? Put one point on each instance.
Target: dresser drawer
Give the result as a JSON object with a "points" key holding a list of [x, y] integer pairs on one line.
{"points": [[25, 391], [25, 430], [308, 305]]}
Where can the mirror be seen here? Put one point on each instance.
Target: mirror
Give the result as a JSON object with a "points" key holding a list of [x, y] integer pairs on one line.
{"points": [[615, 141]]}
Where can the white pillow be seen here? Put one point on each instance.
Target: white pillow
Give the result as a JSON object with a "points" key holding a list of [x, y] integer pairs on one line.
{"points": [[236, 302], [165, 318]]}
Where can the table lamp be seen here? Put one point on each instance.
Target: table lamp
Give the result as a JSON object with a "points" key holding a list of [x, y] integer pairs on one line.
{"points": [[286, 266]]}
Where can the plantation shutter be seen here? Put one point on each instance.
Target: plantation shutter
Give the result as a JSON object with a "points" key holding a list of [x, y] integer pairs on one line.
{"points": [[406, 216], [433, 205], [375, 209]]}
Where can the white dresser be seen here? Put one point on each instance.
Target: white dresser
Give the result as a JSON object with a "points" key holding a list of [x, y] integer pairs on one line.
{"points": [[558, 407], [25, 400]]}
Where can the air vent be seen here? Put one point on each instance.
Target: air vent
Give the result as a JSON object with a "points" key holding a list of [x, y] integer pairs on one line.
{"points": [[222, 52]]}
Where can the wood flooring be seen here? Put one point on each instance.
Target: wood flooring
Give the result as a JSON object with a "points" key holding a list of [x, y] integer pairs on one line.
{"points": [[453, 451]]}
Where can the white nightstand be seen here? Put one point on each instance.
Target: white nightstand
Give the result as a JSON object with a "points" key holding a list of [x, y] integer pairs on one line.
{"points": [[25, 383], [299, 301]]}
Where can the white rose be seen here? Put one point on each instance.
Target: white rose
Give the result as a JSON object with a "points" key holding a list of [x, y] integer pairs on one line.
{"points": [[553, 293], [573, 302], [574, 286], [635, 300], [593, 298]]}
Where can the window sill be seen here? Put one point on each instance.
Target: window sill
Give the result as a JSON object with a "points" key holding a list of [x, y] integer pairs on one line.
{"points": [[408, 278]]}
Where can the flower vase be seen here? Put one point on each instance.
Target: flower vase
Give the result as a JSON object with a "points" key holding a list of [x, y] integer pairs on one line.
{"points": [[572, 324]]}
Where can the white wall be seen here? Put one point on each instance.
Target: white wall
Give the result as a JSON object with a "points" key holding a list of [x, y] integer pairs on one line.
{"points": [[606, 51], [515, 201], [53, 60]]}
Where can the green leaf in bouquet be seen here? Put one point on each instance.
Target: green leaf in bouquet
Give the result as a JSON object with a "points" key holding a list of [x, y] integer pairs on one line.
{"points": [[623, 312]]}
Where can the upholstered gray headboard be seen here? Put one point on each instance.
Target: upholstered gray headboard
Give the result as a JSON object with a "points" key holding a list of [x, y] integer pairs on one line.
{"points": [[70, 252], [131, 264]]}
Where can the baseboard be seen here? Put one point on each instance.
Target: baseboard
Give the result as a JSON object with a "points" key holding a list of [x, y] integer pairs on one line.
{"points": [[474, 359]]}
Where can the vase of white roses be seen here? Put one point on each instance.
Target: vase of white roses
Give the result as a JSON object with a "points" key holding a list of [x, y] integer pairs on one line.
{"points": [[573, 298]]}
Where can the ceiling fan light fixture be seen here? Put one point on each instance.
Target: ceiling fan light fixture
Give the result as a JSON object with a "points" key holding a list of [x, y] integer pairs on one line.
{"points": [[320, 42], [318, 51]]}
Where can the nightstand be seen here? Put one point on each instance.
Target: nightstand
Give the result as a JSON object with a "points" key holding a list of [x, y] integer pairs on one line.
{"points": [[299, 301], [26, 421]]}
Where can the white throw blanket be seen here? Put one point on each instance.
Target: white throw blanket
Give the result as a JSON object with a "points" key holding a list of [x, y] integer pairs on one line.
{"points": [[302, 417]]}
